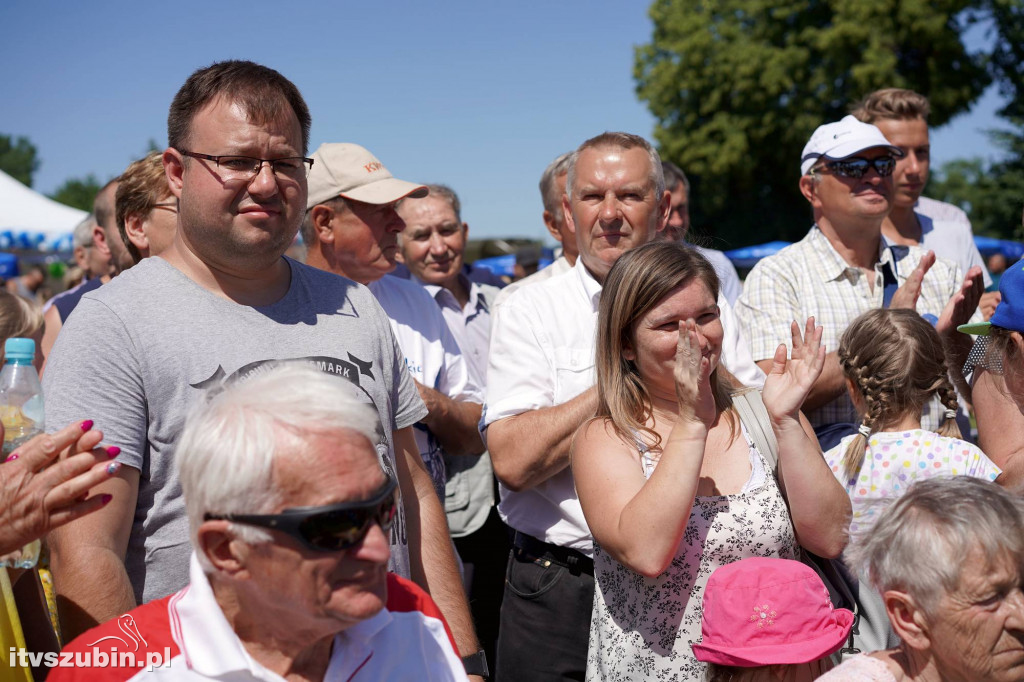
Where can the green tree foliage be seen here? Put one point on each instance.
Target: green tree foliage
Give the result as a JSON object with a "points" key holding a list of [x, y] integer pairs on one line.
{"points": [[991, 193], [78, 192], [18, 158], [738, 86]]}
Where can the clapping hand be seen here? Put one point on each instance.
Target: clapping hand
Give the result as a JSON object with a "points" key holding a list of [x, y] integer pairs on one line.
{"points": [[692, 376], [38, 494], [964, 302], [789, 382], [907, 294]]}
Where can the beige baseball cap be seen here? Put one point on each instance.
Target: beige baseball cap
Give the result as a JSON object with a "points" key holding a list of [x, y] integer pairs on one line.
{"points": [[350, 171]]}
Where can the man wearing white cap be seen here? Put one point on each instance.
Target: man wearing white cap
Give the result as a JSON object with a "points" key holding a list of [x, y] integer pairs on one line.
{"points": [[351, 229], [842, 269]]}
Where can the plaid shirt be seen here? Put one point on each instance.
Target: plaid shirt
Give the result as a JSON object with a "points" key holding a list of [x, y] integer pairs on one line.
{"points": [[811, 278]]}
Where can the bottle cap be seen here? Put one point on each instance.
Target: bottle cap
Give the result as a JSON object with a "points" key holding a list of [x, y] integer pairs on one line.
{"points": [[20, 349]]}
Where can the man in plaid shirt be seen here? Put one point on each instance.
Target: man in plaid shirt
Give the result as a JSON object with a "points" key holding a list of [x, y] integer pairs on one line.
{"points": [[843, 267]]}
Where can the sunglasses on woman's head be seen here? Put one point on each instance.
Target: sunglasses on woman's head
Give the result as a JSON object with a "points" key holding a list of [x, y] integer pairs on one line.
{"points": [[855, 167], [329, 528]]}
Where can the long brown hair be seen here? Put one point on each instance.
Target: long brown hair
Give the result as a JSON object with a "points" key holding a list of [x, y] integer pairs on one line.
{"points": [[639, 280], [897, 362]]}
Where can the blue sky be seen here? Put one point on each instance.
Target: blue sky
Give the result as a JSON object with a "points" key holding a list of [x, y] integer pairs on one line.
{"points": [[478, 95]]}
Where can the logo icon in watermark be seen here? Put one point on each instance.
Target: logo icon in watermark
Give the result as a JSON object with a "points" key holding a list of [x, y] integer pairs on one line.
{"points": [[126, 623], [97, 657]]}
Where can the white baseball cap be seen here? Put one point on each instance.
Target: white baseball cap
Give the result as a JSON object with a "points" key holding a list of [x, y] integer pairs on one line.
{"points": [[350, 171], [842, 139]]}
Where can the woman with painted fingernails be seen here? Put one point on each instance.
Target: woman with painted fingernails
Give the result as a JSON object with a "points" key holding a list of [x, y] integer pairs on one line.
{"points": [[46, 482]]}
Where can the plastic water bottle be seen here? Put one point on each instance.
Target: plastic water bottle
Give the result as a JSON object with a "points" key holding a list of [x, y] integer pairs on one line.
{"points": [[21, 411], [21, 395]]}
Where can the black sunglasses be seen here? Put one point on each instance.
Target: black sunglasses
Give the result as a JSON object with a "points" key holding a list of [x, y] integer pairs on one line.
{"points": [[856, 167], [329, 528]]}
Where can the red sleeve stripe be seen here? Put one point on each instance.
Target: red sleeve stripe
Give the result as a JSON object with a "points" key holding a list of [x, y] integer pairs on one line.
{"points": [[406, 596]]}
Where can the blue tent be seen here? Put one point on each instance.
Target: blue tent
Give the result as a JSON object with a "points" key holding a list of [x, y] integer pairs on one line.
{"points": [[504, 266], [989, 245], [747, 256]]}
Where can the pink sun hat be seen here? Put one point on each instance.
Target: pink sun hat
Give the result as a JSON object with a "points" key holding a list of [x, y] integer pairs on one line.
{"points": [[761, 611]]}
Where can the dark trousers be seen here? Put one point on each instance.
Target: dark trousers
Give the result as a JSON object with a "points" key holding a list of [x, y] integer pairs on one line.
{"points": [[483, 553], [545, 622]]}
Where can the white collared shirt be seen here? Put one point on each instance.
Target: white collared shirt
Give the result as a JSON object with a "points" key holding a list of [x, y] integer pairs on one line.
{"points": [[946, 230], [471, 324], [407, 640], [558, 266], [432, 356], [543, 342]]}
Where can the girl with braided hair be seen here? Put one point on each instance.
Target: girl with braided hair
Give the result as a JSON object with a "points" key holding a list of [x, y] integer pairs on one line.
{"points": [[894, 364]]}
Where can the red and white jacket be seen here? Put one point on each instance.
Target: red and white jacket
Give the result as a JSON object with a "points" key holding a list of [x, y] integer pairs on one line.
{"points": [[185, 637]]}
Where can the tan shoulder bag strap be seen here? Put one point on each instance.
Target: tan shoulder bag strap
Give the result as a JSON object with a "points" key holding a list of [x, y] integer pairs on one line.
{"points": [[754, 416]]}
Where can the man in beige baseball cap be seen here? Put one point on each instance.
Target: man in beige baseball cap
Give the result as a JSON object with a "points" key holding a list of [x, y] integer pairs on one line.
{"points": [[348, 170], [351, 229]]}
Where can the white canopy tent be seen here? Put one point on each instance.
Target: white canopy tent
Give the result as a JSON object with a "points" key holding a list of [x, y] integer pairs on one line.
{"points": [[29, 220]]}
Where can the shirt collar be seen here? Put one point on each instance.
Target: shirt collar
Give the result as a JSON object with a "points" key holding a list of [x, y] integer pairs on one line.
{"points": [[212, 648], [830, 264], [442, 295], [591, 287]]}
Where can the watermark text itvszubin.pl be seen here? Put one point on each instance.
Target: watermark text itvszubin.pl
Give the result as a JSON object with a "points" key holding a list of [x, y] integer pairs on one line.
{"points": [[94, 658]]}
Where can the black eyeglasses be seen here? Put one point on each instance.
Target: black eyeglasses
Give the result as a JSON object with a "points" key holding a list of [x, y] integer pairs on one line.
{"points": [[329, 528], [248, 167], [856, 167]]}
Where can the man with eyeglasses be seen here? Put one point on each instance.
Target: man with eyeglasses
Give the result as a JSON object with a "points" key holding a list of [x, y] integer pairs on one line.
{"points": [[289, 514], [218, 305], [842, 268]]}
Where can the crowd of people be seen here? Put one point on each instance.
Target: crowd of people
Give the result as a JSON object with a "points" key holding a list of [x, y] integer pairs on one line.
{"points": [[354, 456]]}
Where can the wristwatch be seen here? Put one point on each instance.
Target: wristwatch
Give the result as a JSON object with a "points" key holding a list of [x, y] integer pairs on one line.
{"points": [[476, 664]]}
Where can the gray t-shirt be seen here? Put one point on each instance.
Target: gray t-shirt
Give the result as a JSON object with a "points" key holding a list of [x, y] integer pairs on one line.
{"points": [[138, 353]]}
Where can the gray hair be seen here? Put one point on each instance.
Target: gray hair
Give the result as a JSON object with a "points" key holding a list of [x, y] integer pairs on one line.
{"points": [[82, 234], [918, 543], [552, 201], [308, 229], [622, 141], [674, 175], [442, 192], [227, 449]]}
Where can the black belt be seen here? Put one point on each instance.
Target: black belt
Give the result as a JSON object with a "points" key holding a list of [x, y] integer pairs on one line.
{"points": [[544, 554]]}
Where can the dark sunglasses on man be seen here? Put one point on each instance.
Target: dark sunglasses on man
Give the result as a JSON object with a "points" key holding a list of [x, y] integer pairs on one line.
{"points": [[855, 167], [329, 528]]}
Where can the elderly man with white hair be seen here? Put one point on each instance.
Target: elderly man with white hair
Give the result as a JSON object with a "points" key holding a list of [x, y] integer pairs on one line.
{"points": [[289, 509]]}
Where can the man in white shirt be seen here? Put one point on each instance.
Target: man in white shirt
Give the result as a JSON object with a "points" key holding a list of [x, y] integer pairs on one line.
{"points": [[552, 188], [351, 229], [679, 226], [289, 511], [432, 247], [540, 388], [902, 116]]}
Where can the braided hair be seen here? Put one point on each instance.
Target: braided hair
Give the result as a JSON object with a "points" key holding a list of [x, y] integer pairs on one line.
{"points": [[896, 361]]}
